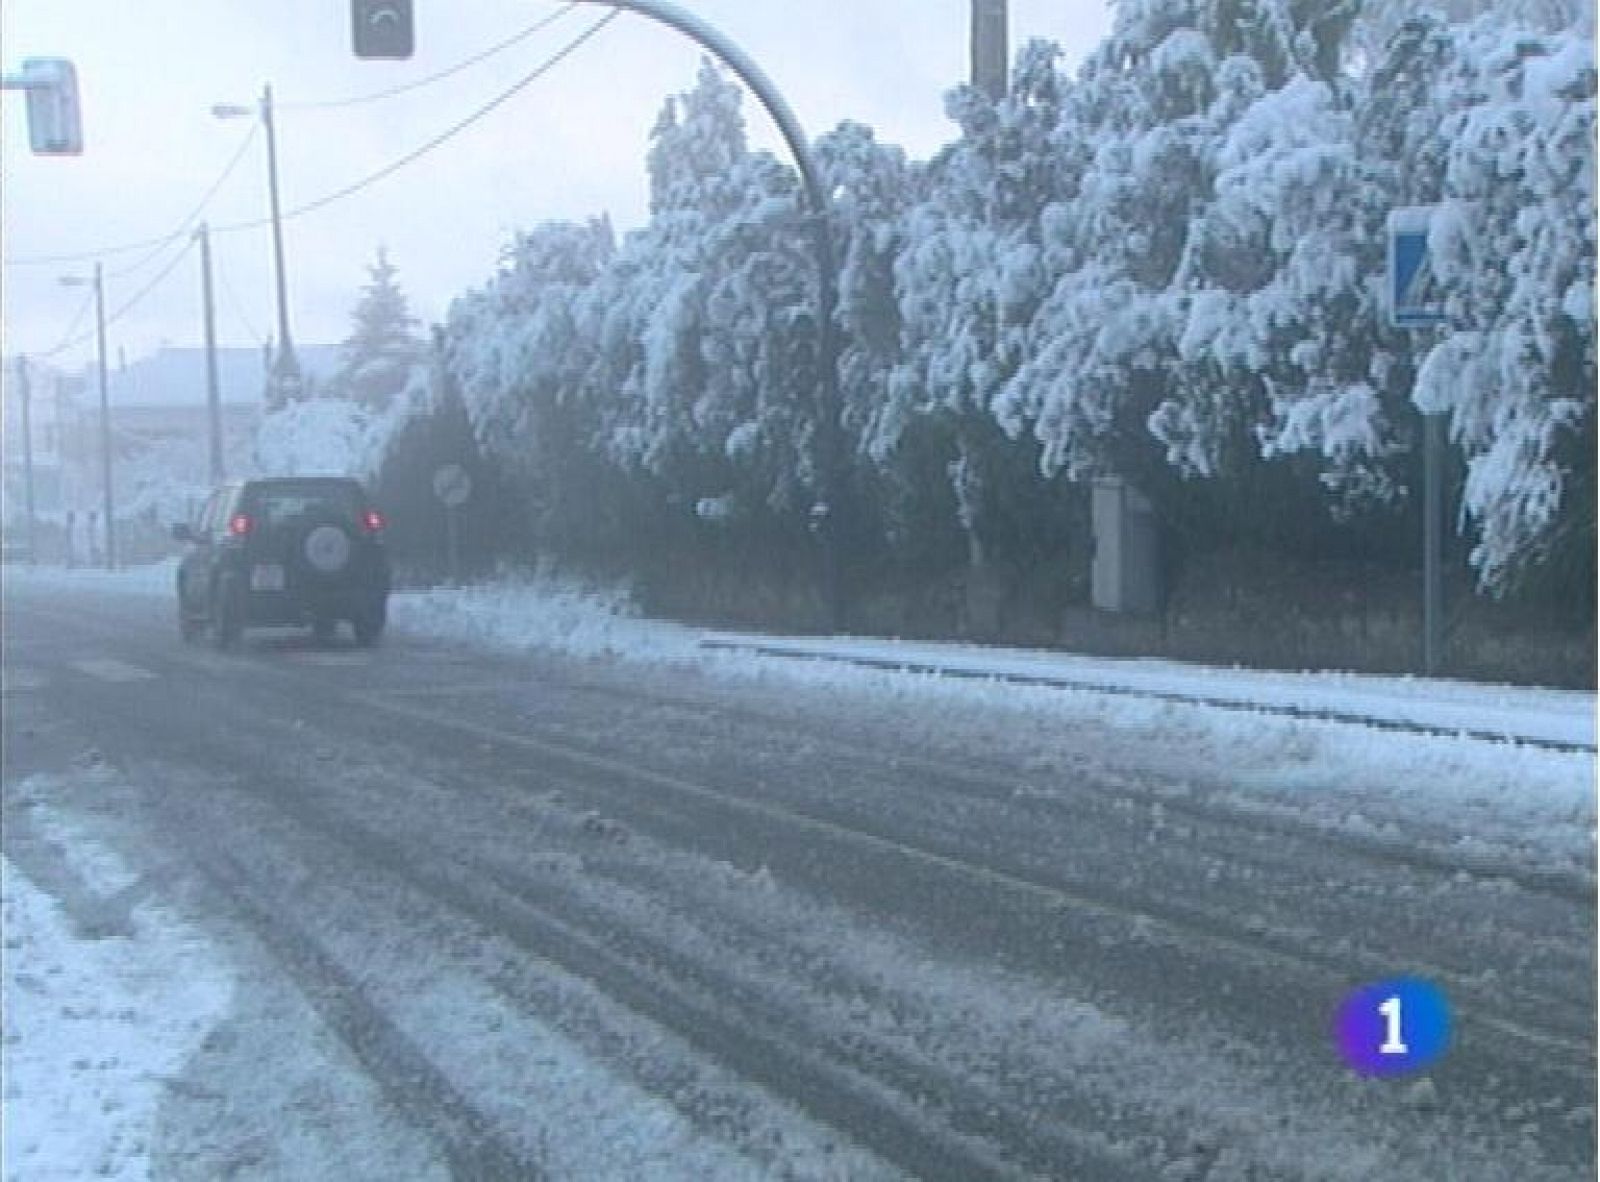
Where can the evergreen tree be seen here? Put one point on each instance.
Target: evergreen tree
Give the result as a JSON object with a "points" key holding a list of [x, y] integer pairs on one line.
{"points": [[969, 280], [382, 349]]}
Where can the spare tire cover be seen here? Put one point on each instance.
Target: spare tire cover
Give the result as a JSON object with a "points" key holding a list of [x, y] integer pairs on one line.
{"points": [[327, 549]]}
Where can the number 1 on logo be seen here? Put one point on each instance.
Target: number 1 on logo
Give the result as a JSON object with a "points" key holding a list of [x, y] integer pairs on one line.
{"points": [[1392, 1043]]}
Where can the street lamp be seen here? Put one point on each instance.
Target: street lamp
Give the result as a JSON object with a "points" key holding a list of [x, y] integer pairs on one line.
{"points": [[286, 375], [105, 404], [828, 518]]}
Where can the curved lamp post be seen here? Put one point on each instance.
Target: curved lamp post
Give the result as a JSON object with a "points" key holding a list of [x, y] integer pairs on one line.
{"points": [[825, 514]]}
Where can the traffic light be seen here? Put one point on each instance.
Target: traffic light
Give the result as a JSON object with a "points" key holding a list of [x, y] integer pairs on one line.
{"points": [[382, 28], [54, 125]]}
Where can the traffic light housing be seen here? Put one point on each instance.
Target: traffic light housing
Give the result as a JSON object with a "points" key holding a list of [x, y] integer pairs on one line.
{"points": [[382, 29], [55, 127]]}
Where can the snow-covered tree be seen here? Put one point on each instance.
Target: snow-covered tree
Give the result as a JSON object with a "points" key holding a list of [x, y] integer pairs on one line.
{"points": [[707, 320], [1168, 267], [378, 356], [969, 279], [1513, 245], [516, 353]]}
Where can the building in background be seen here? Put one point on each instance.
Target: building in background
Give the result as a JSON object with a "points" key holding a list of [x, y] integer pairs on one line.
{"points": [[160, 437]]}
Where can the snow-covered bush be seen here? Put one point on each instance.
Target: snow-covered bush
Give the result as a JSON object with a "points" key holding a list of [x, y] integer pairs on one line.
{"points": [[334, 436]]}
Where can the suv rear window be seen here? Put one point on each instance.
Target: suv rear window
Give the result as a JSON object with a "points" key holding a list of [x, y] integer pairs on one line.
{"points": [[285, 501]]}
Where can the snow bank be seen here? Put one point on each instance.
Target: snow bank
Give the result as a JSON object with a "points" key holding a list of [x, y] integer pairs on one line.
{"points": [[1510, 712], [94, 1027]]}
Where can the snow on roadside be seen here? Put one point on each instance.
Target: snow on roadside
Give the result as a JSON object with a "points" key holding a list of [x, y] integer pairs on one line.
{"points": [[94, 1027], [1552, 715], [1481, 799], [547, 612], [155, 578]]}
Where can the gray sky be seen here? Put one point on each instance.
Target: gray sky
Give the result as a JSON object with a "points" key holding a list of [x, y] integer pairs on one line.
{"points": [[570, 145]]}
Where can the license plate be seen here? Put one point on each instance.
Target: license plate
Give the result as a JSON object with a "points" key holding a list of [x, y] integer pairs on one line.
{"points": [[267, 576]]}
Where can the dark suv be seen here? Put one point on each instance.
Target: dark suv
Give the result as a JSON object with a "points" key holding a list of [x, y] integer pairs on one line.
{"points": [[284, 550]]}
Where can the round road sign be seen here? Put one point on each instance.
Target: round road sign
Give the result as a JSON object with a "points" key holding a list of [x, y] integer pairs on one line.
{"points": [[452, 485]]}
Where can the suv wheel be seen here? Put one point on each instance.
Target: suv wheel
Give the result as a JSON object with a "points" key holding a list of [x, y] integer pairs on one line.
{"points": [[368, 625], [323, 629], [227, 611]]}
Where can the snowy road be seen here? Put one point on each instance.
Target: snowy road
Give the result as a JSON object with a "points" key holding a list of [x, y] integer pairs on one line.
{"points": [[492, 916]]}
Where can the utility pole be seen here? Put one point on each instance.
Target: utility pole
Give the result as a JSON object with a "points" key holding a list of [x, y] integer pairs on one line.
{"points": [[98, 282], [213, 392], [1432, 529], [105, 417], [27, 459], [989, 66], [286, 373], [285, 380]]}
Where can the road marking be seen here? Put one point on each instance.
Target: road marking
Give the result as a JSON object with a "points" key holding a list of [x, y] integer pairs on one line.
{"points": [[110, 669], [335, 660]]}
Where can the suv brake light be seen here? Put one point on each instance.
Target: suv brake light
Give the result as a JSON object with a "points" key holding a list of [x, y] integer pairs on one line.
{"points": [[240, 524], [372, 521]]}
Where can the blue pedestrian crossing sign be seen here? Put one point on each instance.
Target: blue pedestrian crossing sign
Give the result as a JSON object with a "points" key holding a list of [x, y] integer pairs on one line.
{"points": [[1416, 297]]}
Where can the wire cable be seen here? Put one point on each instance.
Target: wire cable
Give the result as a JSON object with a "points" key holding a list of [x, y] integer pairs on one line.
{"points": [[515, 38], [349, 190], [128, 306], [187, 225], [154, 244], [395, 166], [77, 318], [236, 306]]}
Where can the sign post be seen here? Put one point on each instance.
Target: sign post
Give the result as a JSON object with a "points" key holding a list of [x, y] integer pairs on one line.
{"points": [[453, 486], [1416, 302]]}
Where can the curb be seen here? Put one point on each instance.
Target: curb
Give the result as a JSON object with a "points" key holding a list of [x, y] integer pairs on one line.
{"points": [[1310, 713]]}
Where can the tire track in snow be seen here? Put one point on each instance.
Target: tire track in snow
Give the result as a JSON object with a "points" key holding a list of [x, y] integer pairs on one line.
{"points": [[1184, 927], [405, 1075]]}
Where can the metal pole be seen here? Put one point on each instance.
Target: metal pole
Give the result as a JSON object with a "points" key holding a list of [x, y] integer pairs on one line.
{"points": [[830, 452], [1432, 529], [286, 371], [989, 65], [27, 459], [105, 417], [452, 532], [213, 392]]}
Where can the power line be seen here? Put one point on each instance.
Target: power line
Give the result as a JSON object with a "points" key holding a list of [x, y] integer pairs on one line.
{"points": [[504, 96], [515, 38], [77, 318], [188, 223], [155, 244], [131, 303], [236, 306], [395, 166]]}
